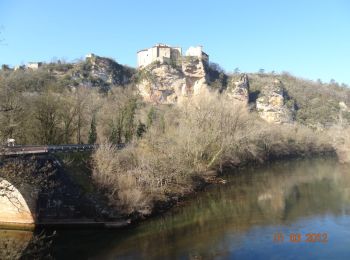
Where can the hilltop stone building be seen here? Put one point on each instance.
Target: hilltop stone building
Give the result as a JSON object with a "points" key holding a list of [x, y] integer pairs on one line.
{"points": [[159, 52], [19, 67], [34, 65], [89, 56], [198, 52], [166, 54]]}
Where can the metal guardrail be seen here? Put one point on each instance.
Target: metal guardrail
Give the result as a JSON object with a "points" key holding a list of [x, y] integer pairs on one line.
{"points": [[42, 149]]}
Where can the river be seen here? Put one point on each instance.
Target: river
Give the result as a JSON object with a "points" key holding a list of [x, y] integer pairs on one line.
{"points": [[297, 209]]}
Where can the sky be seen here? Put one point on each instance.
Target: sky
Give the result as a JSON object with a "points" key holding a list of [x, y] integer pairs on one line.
{"points": [[307, 38]]}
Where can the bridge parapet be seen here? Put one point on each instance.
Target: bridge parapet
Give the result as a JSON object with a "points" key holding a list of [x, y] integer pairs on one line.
{"points": [[32, 149]]}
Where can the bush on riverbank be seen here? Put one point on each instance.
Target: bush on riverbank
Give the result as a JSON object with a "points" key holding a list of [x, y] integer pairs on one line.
{"points": [[185, 144], [340, 136]]}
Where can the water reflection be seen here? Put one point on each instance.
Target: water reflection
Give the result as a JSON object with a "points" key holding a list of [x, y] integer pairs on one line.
{"points": [[236, 220], [18, 244], [13, 243]]}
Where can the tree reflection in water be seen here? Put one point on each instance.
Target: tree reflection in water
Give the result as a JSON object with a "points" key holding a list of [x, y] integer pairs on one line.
{"points": [[226, 220], [16, 244]]}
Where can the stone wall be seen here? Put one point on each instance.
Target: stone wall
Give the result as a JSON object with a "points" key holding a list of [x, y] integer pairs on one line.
{"points": [[198, 52]]}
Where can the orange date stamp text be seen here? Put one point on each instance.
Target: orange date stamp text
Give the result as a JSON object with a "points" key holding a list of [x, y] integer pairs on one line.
{"points": [[298, 237]]}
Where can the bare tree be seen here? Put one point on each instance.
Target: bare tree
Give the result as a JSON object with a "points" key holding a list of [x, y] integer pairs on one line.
{"points": [[11, 112], [47, 118]]}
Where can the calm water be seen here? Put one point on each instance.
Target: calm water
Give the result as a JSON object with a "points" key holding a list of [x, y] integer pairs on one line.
{"points": [[238, 220]]}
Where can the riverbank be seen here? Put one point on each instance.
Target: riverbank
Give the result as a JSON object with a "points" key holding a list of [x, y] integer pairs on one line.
{"points": [[41, 220], [186, 147], [238, 218], [182, 150], [219, 178]]}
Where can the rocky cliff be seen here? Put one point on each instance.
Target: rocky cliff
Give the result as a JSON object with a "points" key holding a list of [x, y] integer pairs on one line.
{"points": [[160, 83], [101, 72], [163, 83], [195, 75], [274, 105], [239, 89]]}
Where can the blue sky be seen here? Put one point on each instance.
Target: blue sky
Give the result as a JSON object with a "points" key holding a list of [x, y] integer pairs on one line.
{"points": [[307, 38]]}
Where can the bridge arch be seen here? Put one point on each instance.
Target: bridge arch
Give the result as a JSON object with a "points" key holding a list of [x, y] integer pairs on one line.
{"points": [[18, 206]]}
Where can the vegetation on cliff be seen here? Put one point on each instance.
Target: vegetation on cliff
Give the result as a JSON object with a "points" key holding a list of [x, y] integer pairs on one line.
{"points": [[317, 103]]}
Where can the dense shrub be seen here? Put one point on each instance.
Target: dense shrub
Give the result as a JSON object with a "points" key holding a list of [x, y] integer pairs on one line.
{"points": [[187, 145]]}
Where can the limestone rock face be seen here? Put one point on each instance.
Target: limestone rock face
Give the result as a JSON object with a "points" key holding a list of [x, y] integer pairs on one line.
{"points": [[101, 72], [343, 107], [272, 104], [108, 70], [196, 77], [193, 67], [239, 90], [166, 84], [161, 84]]}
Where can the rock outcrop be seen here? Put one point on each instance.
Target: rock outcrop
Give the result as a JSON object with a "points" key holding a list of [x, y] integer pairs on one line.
{"points": [[109, 71], [168, 84], [273, 104], [101, 72], [195, 75], [239, 90], [343, 107], [160, 83]]}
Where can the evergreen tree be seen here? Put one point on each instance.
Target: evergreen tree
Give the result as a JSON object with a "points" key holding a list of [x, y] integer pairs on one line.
{"points": [[150, 117], [128, 119], [140, 129], [92, 132]]}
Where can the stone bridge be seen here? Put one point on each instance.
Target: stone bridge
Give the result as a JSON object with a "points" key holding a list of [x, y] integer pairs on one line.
{"points": [[40, 191]]}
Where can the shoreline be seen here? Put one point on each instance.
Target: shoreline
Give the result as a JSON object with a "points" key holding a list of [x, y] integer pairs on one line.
{"points": [[161, 207], [215, 179]]}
